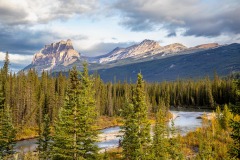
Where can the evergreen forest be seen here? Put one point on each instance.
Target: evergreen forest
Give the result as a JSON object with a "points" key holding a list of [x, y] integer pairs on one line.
{"points": [[66, 114]]}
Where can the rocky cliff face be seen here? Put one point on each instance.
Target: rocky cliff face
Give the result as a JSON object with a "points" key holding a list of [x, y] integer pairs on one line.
{"points": [[207, 46], [61, 56], [142, 50], [55, 54], [137, 50], [170, 49]]}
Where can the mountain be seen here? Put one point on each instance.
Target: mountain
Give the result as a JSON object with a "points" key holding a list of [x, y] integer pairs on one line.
{"points": [[224, 60], [53, 56], [132, 51], [206, 46], [169, 49], [148, 48], [61, 56]]}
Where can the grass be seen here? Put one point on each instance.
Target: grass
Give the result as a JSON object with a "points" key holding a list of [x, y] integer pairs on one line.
{"points": [[27, 133], [102, 123], [106, 122]]}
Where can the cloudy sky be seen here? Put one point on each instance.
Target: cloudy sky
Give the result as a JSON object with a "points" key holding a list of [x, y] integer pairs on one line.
{"points": [[98, 26]]}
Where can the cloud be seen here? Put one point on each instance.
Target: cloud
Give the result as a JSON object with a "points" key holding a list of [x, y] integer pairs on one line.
{"points": [[197, 17], [17, 61], [104, 48], [28, 41], [14, 12], [172, 34], [17, 58], [24, 40]]}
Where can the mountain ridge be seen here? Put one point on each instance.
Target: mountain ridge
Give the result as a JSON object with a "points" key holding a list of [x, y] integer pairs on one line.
{"points": [[224, 60], [54, 55], [62, 56]]}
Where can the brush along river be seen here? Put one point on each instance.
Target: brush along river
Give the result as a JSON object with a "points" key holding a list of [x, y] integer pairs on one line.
{"points": [[184, 121]]}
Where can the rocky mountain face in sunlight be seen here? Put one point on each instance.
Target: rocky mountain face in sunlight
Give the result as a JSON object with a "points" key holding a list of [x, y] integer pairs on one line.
{"points": [[206, 46], [61, 56], [138, 50], [56, 54], [149, 48]]}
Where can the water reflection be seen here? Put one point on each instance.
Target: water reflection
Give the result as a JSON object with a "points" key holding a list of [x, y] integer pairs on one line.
{"points": [[184, 121]]}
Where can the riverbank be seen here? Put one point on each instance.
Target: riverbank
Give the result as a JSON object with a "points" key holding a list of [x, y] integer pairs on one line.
{"points": [[103, 122], [109, 137]]}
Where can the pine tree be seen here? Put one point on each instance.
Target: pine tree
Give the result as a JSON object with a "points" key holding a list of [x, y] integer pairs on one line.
{"points": [[75, 135], [235, 124], [174, 149], [5, 68], [205, 141], [227, 116], [130, 143], [88, 115], [64, 146], [136, 138], [44, 141], [7, 132], [159, 146], [141, 115]]}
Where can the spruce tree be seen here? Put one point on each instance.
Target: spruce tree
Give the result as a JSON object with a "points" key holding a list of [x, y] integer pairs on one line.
{"points": [[87, 136], [136, 138], [141, 115], [75, 135], [174, 149], [235, 124], [130, 142], [44, 141], [7, 132], [159, 146]]}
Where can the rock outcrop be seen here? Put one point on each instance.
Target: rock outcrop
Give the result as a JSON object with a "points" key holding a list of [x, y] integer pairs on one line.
{"points": [[170, 49], [144, 49], [137, 50], [61, 56], [206, 46], [55, 54]]}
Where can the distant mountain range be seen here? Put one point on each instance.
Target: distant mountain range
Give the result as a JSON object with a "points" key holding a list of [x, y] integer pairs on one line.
{"points": [[156, 62], [223, 60]]}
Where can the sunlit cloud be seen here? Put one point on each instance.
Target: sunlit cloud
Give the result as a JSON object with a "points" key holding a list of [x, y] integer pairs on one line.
{"points": [[17, 58]]}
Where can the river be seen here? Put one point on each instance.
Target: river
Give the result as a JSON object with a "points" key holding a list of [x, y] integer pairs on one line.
{"points": [[184, 121]]}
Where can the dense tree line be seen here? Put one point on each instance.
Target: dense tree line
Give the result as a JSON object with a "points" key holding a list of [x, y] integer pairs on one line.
{"points": [[70, 106], [30, 97]]}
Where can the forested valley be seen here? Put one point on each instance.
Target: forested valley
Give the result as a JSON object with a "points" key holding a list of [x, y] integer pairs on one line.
{"points": [[66, 113]]}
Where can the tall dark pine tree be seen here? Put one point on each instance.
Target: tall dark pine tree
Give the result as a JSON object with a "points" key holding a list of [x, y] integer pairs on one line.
{"points": [[160, 143], [75, 135], [7, 131], [87, 136], [44, 141], [136, 138], [130, 143], [64, 146], [235, 125], [141, 115], [5, 68]]}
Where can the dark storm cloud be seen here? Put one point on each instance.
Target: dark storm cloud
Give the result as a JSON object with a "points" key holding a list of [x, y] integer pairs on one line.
{"points": [[26, 41], [104, 48], [196, 17], [22, 40], [172, 34], [11, 15]]}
